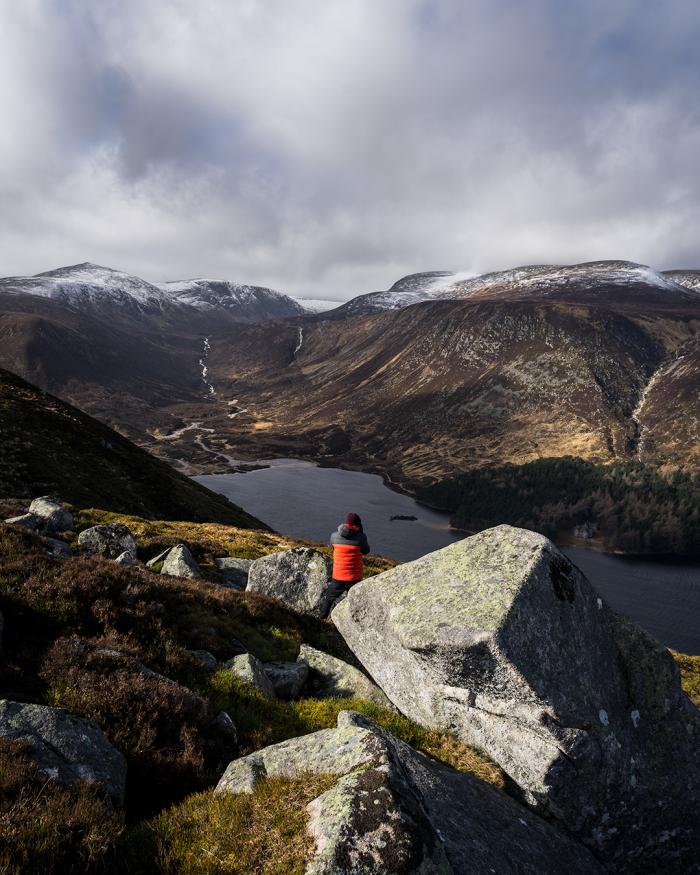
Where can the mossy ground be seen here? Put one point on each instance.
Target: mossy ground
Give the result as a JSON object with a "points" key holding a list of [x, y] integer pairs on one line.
{"points": [[690, 675]]}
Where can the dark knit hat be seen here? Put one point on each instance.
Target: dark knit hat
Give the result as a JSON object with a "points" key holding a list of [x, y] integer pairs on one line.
{"points": [[352, 519]]}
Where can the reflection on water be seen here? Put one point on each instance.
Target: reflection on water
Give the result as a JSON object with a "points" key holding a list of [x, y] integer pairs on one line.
{"points": [[301, 500]]}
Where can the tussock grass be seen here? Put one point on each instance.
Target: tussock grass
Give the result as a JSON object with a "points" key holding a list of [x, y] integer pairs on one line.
{"points": [[261, 833], [261, 722]]}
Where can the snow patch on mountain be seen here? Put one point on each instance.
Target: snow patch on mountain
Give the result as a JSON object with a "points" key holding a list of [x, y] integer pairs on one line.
{"points": [[80, 284], [212, 294], [317, 305]]}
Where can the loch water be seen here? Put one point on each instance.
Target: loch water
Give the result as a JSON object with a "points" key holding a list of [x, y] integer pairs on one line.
{"points": [[302, 500]]}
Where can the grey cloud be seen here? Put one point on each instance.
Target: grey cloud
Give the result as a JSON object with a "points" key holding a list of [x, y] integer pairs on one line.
{"points": [[326, 149]]}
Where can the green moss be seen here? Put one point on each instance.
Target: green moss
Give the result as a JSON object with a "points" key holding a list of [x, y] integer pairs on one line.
{"points": [[261, 722], [690, 675], [261, 833]]}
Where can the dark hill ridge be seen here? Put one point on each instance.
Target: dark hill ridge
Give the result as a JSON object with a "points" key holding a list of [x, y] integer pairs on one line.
{"points": [[47, 446]]}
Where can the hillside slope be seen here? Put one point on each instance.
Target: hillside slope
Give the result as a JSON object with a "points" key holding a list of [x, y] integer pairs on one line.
{"points": [[47, 446]]}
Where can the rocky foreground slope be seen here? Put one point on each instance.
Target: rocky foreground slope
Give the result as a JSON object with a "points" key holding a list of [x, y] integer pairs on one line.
{"points": [[170, 703]]}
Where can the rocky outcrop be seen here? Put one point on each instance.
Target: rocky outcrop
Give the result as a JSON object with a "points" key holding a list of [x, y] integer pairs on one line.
{"points": [[53, 515], [125, 558], [108, 541], [233, 571], [249, 669], [287, 678], [330, 676], [46, 515], [297, 577], [179, 562], [394, 810], [67, 748], [500, 638]]}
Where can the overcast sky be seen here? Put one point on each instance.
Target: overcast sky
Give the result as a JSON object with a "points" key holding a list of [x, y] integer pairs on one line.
{"points": [[328, 147]]}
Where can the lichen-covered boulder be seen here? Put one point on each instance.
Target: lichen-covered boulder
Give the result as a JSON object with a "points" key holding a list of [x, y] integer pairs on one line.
{"points": [[287, 678], [330, 676], [53, 515], [500, 638], [67, 748], [108, 541], [233, 571], [179, 562], [249, 669], [297, 577], [393, 810]]}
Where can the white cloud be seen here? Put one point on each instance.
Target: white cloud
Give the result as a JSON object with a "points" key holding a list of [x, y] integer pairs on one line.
{"points": [[328, 148]]}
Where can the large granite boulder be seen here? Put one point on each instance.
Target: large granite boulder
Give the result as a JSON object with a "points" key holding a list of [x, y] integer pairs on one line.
{"points": [[500, 638], [67, 748], [297, 577], [179, 562], [53, 515], [109, 540], [393, 810], [330, 676]]}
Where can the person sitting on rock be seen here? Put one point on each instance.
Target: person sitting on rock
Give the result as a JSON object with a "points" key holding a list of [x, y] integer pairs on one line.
{"points": [[349, 544]]}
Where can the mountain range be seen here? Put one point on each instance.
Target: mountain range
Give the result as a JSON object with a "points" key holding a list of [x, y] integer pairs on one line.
{"points": [[441, 374]]}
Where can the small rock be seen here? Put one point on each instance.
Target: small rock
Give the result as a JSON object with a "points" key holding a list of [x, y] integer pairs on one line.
{"points": [[58, 548], [223, 729], [234, 571], [65, 747], [53, 515], [330, 676], [180, 563], [2, 628], [249, 669], [26, 520], [297, 577], [287, 677], [125, 558], [108, 541], [159, 558], [205, 659]]}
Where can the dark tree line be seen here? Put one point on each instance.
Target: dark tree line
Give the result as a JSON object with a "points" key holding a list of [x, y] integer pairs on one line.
{"points": [[631, 506]]}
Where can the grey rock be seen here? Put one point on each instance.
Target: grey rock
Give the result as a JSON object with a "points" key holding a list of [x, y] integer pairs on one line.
{"points": [[125, 558], [159, 558], [297, 577], [222, 729], [58, 548], [330, 676], [393, 810], [287, 678], [108, 541], [26, 520], [53, 515], [180, 563], [205, 659], [234, 571], [65, 747], [501, 639], [249, 669], [2, 629]]}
